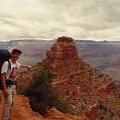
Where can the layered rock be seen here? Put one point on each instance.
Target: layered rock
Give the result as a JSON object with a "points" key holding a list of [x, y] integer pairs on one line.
{"points": [[64, 49], [54, 114]]}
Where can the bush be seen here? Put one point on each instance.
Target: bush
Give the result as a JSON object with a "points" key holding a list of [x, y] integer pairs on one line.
{"points": [[42, 95], [61, 105]]}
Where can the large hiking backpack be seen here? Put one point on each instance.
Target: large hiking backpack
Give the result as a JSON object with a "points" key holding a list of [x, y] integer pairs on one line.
{"points": [[5, 55]]}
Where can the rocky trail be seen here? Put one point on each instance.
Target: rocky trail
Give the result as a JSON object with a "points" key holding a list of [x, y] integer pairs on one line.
{"points": [[22, 111]]}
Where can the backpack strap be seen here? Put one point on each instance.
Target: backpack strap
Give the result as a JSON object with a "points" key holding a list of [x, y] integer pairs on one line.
{"points": [[9, 66]]}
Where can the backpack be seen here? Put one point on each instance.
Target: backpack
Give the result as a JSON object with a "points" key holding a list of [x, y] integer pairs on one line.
{"points": [[5, 55]]}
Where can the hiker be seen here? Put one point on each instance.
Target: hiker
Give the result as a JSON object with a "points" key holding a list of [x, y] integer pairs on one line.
{"points": [[9, 82]]}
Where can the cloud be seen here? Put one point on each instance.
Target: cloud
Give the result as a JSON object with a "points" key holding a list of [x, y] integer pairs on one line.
{"points": [[93, 19]]}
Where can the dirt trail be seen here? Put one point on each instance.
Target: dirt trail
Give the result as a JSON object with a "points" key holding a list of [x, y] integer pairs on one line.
{"points": [[22, 110]]}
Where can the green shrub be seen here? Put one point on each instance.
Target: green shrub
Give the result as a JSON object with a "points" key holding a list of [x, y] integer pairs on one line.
{"points": [[61, 105], [42, 95]]}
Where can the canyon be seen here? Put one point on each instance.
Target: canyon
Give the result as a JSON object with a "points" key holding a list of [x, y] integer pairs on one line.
{"points": [[88, 91]]}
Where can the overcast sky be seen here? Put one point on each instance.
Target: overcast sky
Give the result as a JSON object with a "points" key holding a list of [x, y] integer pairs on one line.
{"points": [[79, 19]]}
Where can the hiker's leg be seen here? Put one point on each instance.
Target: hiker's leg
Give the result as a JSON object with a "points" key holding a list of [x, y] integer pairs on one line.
{"points": [[13, 87], [7, 105]]}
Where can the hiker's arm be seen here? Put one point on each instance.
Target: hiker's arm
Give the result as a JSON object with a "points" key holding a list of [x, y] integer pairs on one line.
{"points": [[25, 66], [3, 80], [3, 77]]}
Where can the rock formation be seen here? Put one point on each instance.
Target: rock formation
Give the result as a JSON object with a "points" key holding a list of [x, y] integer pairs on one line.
{"points": [[80, 84], [64, 49], [86, 90]]}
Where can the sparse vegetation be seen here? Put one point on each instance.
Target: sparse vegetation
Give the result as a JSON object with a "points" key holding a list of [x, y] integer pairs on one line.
{"points": [[42, 95]]}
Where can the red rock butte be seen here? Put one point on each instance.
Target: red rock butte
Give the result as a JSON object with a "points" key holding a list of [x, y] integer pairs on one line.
{"points": [[64, 48]]}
